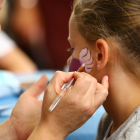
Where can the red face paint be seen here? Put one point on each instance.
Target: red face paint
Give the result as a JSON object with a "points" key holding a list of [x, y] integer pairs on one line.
{"points": [[74, 65]]}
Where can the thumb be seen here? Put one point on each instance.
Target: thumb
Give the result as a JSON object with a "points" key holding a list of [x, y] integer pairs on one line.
{"points": [[38, 87], [105, 83], [101, 94]]}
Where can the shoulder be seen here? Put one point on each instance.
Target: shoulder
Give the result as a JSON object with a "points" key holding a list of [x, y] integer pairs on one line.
{"points": [[133, 132], [104, 123]]}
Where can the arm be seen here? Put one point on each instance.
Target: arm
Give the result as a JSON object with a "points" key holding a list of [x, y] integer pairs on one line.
{"points": [[17, 61], [26, 113], [75, 108], [42, 133], [7, 131]]}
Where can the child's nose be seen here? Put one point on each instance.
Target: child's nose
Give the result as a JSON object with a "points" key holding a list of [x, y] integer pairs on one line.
{"points": [[69, 60]]}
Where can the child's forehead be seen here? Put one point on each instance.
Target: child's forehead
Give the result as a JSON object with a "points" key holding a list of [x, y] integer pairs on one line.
{"points": [[1, 3]]}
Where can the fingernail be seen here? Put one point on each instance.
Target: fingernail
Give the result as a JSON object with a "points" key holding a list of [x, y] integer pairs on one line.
{"points": [[106, 78], [71, 72]]}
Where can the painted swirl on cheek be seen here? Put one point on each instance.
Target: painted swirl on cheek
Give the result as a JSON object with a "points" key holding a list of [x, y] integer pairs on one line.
{"points": [[85, 57], [74, 65]]}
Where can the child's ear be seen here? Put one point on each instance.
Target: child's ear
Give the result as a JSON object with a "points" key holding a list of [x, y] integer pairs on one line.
{"points": [[102, 53]]}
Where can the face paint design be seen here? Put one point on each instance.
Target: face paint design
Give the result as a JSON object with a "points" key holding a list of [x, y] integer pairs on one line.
{"points": [[85, 57], [75, 64]]}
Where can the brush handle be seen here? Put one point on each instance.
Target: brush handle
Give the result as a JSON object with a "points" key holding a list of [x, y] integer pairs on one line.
{"points": [[61, 94]]}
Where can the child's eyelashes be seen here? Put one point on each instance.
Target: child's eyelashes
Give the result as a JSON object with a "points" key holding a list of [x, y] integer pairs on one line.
{"points": [[70, 50]]}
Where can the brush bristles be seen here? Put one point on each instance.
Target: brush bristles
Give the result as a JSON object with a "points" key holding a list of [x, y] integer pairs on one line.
{"points": [[83, 65]]}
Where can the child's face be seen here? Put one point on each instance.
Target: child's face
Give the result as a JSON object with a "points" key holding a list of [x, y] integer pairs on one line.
{"points": [[82, 52]]}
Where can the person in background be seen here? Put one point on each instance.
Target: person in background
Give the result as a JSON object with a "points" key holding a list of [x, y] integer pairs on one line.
{"points": [[26, 27], [43, 23], [12, 58], [80, 102]]}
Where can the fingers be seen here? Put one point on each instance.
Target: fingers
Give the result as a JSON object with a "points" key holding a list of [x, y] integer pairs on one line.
{"points": [[101, 92], [38, 87], [82, 94], [59, 79], [83, 82], [87, 87], [85, 90], [100, 97], [55, 86], [105, 82]]}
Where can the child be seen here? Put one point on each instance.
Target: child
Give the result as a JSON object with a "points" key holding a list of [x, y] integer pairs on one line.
{"points": [[105, 35], [69, 114]]}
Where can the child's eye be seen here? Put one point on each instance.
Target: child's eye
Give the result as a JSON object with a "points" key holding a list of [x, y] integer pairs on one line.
{"points": [[70, 50]]}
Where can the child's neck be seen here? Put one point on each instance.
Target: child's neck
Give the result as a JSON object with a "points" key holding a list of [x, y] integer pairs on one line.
{"points": [[123, 99]]}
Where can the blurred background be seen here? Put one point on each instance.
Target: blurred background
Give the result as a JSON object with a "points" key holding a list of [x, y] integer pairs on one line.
{"points": [[40, 29], [33, 41]]}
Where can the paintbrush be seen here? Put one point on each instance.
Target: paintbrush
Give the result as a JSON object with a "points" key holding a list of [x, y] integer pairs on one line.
{"points": [[64, 88]]}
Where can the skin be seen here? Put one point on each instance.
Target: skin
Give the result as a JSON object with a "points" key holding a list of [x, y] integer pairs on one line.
{"points": [[27, 23], [75, 65], [75, 108], [25, 114], [86, 58], [17, 61], [79, 107], [124, 87]]}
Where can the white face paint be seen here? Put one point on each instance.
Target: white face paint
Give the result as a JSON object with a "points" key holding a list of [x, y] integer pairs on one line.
{"points": [[85, 57]]}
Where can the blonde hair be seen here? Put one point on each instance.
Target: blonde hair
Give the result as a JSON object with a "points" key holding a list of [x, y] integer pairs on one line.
{"points": [[112, 18]]}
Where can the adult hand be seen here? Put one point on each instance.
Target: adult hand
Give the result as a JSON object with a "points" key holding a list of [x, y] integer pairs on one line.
{"points": [[75, 108], [27, 111]]}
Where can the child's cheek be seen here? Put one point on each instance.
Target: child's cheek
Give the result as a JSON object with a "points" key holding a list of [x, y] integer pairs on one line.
{"points": [[85, 57], [74, 65]]}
